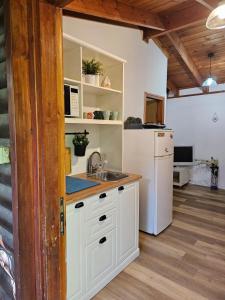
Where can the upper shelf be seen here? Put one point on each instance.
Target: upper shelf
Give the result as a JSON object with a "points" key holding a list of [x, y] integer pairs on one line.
{"points": [[69, 42], [71, 81], [92, 89], [92, 121], [98, 90]]}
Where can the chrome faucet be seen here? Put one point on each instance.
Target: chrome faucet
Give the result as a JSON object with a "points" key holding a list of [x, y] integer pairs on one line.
{"points": [[93, 169]]}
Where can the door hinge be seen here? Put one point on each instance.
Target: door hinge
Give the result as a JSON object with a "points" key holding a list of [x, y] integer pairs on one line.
{"points": [[62, 216]]}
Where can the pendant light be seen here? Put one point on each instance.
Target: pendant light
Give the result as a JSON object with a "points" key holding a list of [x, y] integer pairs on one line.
{"points": [[216, 19], [210, 82]]}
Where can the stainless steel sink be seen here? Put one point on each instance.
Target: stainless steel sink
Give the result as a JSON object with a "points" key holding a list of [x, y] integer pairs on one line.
{"points": [[108, 176]]}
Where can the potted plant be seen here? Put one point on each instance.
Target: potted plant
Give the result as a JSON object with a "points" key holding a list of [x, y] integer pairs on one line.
{"points": [[92, 69], [80, 142]]}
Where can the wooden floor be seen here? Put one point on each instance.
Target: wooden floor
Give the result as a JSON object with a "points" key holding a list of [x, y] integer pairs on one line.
{"points": [[186, 261]]}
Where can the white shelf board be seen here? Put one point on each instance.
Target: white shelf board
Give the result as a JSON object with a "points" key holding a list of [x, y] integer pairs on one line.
{"points": [[94, 48], [71, 81], [92, 121], [98, 90]]}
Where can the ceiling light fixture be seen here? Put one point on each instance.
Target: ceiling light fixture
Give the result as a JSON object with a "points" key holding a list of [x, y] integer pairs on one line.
{"points": [[216, 19], [210, 81]]}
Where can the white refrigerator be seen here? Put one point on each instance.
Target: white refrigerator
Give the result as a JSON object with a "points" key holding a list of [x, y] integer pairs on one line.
{"points": [[149, 152]]}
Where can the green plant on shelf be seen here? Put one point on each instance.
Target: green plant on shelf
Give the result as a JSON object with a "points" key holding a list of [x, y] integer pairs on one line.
{"points": [[92, 67]]}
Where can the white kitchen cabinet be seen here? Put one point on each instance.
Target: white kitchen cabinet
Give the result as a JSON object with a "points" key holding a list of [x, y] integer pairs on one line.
{"points": [[101, 259], [127, 221], [102, 239], [75, 251]]}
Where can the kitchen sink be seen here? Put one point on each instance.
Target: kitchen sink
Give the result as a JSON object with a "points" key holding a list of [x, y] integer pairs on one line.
{"points": [[108, 176]]}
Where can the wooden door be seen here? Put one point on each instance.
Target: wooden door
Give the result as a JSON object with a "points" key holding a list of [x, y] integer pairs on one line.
{"points": [[36, 121]]}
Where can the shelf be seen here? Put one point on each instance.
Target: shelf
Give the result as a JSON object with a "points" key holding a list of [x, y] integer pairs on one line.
{"points": [[92, 121], [71, 81], [98, 90]]}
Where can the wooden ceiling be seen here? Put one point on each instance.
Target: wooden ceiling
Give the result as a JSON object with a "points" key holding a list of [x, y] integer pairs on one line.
{"points": [[177, 26]]}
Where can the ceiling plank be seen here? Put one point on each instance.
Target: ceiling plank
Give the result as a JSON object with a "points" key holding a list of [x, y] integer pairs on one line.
{"points": [[116, 11], [180, 19], [185, 57], [60, 3]]}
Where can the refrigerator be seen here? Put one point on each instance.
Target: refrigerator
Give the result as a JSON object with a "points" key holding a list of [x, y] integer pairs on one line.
{"points": [[149, 152]]}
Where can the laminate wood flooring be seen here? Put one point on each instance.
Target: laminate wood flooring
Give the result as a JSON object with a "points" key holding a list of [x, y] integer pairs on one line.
{"points": [[186, 261]]}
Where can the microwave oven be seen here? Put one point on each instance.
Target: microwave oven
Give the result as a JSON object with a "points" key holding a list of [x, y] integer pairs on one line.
{"points": [[71, 101]]}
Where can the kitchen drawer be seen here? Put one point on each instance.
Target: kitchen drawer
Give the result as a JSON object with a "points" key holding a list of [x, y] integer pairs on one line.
{"points": [[98, 225], [99, 204], [101, 259]]}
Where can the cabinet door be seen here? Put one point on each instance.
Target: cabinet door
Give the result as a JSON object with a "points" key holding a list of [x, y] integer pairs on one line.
{"points": [[75, 250], [101, 259], [127, 221]]}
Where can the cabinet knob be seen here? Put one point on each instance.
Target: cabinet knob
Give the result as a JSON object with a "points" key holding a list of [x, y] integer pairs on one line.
{"points": [[102, 240], [121, 188], [102, 196], [79, 205], [102, 218]]}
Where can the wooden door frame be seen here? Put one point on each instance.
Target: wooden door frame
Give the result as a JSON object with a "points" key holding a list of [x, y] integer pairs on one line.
{"points": [[36, 114], [155, 97]]}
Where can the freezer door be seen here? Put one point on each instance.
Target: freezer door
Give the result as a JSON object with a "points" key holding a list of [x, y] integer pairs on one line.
{"points": [[164, 143], [164, 193]]}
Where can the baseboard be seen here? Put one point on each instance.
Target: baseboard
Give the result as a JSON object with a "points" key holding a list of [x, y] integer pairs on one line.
{"points": [[112, 275]]}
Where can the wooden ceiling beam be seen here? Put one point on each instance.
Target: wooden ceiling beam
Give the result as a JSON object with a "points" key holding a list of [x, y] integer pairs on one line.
{"points": [[172, 87], [60, 3], [185, 57], [116, 11], [180, 19], [163, 49]]}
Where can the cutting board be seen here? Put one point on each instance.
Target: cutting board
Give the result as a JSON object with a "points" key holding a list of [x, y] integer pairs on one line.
{"points": [[74, 184], [68, 160]]}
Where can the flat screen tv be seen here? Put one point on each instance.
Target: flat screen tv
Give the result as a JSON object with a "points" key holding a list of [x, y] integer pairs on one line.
{"points": [[183, 155]]}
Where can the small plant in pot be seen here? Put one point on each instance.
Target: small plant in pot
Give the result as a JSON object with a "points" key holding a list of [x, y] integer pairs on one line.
{"points": [[92, 69], [80, 142]]}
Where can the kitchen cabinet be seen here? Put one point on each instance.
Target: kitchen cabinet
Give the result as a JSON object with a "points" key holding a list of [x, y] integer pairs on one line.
{"points": [[101, 259], [75, 255], [102, 239], [127, 221]]}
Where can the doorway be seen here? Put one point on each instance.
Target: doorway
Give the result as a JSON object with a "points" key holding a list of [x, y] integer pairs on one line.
{"points": [[154, 109]]}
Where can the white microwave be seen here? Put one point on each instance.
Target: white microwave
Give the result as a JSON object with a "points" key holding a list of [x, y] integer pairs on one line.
{"points": [[71, 101]]}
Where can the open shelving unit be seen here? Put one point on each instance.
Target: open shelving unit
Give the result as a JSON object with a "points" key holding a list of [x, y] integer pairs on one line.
{"points": [[105, 135]]}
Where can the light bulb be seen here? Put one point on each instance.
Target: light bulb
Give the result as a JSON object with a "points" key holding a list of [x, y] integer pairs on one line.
{"points": [[209, 81]]}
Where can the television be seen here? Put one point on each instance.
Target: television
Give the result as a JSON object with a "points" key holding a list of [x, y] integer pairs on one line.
{"points": [[183, 155]]}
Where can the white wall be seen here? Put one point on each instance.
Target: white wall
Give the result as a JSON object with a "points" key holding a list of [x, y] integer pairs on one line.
{"points": [[146, 68], [191, 119]]}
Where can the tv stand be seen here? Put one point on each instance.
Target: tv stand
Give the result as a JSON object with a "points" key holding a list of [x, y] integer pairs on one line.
{"points": [[181, 175]]}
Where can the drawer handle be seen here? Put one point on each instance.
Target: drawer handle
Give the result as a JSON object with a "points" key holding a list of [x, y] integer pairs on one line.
{"points": [[102, 240], [102, 218], [121, 188], [79, 205], [102, 196]]}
